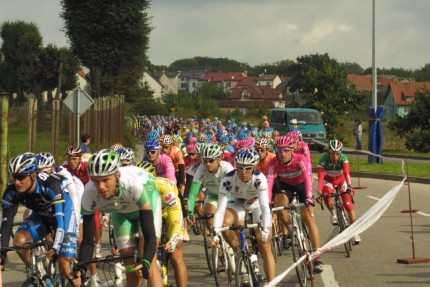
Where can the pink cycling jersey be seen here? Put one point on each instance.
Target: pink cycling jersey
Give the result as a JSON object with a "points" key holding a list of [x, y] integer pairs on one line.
{"points": [[164, 167], [303, 149], [293, 173]]}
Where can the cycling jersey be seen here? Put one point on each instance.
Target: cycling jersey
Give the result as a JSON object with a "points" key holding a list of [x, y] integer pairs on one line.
{"points": [[303, 149], [80, 172], [164, 167], [204, 178], [263, 165], [251, 195], [293, 173], [171, 205], [177, 156], [335, 173], [51, 208]]}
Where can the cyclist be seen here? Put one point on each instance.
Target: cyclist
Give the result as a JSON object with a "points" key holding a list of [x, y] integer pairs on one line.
{"points": [[262, 146], [240, 191], [126, 156], [77, 166], [292, 176], [129, 194], [52, 209], [333, 170], [177, 157], [172, 214], [208, 175], [162, 162]]}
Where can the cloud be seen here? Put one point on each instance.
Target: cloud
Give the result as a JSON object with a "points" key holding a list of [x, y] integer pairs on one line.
{"points": [[322, 31]]}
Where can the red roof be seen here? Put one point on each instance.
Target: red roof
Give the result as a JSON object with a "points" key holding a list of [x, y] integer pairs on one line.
{"points": [[223, 77], [363, 83], [403, 92], [255, 92]]}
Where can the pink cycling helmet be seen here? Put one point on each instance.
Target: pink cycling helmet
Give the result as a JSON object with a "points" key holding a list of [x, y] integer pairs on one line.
{"points": [[284, 141]]}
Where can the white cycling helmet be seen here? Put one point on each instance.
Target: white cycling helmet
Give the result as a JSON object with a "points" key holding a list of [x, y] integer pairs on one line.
{"points": [[211, 150], [335, 145], [246, 157], [44, 160], [103, 163], [125, 153], [24, 163]]}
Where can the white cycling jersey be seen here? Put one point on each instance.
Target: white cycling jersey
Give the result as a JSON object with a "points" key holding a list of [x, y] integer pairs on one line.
{"points": [[211, 180], [244, 196]]}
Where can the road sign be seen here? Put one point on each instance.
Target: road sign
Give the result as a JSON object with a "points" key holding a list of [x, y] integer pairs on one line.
{"points": [[78, 101]]}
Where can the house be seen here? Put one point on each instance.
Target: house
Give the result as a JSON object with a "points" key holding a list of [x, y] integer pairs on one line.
{"points": [[226, 81], [362, 83], [268, 80], [400, 97], [246, 95], [164, 80], [153, 84], [189, 80]]}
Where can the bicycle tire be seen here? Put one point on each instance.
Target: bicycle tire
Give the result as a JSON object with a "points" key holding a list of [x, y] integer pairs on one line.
{"points": [[222, 274], [208, 247], [196, 227], [31, 282], [244, 274], [276, 242], [298, 252], [308, 246], [343, 224]]}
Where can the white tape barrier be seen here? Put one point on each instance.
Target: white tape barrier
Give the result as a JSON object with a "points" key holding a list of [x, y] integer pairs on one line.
{"points": [[359, 226]]}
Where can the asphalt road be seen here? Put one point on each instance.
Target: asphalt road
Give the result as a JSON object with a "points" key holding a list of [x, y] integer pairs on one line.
{"points": [[373, 262]]}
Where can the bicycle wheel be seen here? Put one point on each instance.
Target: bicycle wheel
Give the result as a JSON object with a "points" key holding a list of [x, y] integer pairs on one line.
{"points": [[276, 242], [197, 227], [208, 247], [221, 266], [343, 223], [243, 276], [298, 251], [32, 282]]}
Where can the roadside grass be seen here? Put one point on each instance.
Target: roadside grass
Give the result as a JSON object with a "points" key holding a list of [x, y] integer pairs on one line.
{"points": [[394, 167]]}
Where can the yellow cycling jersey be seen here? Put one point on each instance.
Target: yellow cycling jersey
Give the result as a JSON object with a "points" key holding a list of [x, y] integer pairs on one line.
{"points": [[171, 205]]}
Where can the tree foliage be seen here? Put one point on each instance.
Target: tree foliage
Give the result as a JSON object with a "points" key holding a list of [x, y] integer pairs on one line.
{"points": [[208, 64], [281, 68], [352, 68], [423, 74], [323, 83], [111, 38], [21, 48], [415, 126]]}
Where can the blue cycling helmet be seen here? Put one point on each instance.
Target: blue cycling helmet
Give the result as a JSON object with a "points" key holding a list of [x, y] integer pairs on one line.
{"points": [[152, 144], [44, 160], [224, 139], [246, 157], [153, 135], [24, 163]]}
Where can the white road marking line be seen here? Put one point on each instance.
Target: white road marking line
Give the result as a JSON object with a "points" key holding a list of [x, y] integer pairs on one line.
{"points": [[328, 277], [418, 212]]}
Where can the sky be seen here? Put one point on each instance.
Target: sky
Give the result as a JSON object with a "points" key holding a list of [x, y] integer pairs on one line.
{"points": [[264, 32]]}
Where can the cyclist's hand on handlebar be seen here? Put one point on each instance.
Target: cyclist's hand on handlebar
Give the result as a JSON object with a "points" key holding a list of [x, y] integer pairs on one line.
{"points": [[143, 269], [350, 190], [309, 201], [319, 198], [191, 219], [264, 236], [50, 253], [215, 241]]}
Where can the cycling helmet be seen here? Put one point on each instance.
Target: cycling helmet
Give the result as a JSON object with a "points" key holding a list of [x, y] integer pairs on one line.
{"points": [[125, 153], [284, 141], [211, 150], [153, 135], [199, 148], [294, 136], [224, 139], [335, 145], [246, 157], [166, 140], [266, 134], [74, 151], [191, 148], [151, 145], [45, 160], [176, 139], [24, 163], [116, 146], [103, 163], [146, 165], [262, 143]]}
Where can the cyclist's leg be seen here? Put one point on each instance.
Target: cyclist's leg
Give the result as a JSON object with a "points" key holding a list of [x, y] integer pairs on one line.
{"points": [[283, 197], [264, 247], [234, 214], [327, 190], [180, 269], [209, 207], [347, 203], [31, 230]]}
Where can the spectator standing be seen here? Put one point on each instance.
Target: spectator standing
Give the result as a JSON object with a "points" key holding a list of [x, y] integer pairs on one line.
{"points": [[85, 141], [358, 131]]}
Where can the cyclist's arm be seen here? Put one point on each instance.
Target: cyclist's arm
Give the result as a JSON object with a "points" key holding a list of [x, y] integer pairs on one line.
{"points": [[345, 167], [169, 169], [9, 212], [221, 208], [263, 198], [87, 246], [321, 173], [188, 181], [181, 175], [194, 191], [148, 230]]}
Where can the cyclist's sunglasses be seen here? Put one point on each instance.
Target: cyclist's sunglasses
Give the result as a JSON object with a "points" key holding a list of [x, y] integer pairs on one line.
{"points": [[209, 160], [244, 168], [151, 151], [19, 177]]}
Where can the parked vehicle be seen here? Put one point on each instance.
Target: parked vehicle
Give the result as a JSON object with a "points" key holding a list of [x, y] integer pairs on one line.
{"points": [[308, 121]]}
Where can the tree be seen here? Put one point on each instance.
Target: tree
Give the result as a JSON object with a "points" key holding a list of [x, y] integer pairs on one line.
{"points": [[111, 38], [50, 59], [415, 126], [208, 64], [323, 83], [352, 68], [423, 74], [21, 48]]}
